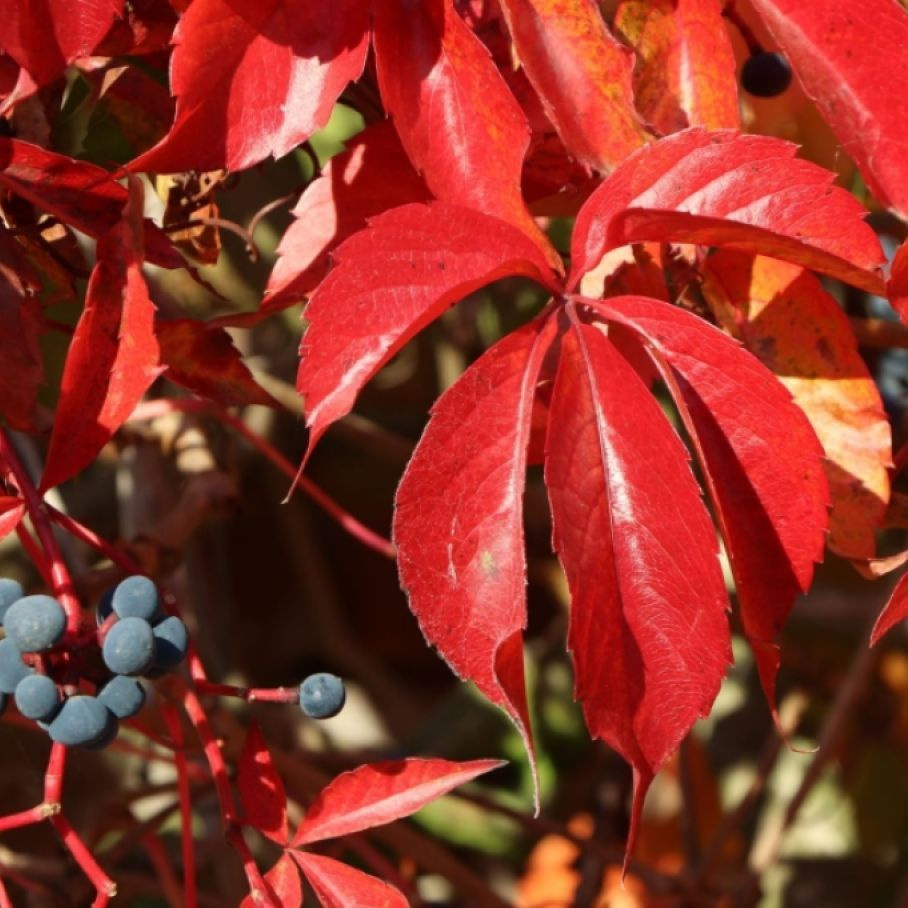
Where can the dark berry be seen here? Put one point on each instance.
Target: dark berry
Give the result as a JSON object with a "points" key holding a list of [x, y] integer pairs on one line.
{"points": [[105, 607], [322, 696], [123, 696], [3, 698], [12, 668], [137, 597], [171, 642], [10, 591], [106, 736], [37, 697], [765, 75], [129, 647], [81, 721], [35, 623]]}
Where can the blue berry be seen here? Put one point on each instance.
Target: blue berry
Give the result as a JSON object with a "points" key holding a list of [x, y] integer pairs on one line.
{"points": [[137, 597], [322, 696], [81, 721], [12, 668], [171, 642], [10, 591], [37, 697], [129, 647], [35, 623], [765, 75], [106, 736], [123, 696]]}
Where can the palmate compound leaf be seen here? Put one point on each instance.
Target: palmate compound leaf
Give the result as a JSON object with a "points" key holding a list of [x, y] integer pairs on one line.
{"points": [[390, 281], [835, 48], [720, 188], [648, 630], [782, 314], [761, 460], [254, 78]]}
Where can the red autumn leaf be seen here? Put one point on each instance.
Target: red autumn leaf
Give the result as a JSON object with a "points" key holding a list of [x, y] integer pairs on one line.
{"points": [[836, 50], [21, 363], [76, 192], [761, 459], [254, 78], [12, 510], [380, 793], [44, 37], [113, 357], [146, 28], [458, 521], [283, 881], [894, 612], [782, 314], [373, 175], [581, 74], [724, 189], [262, 794], [339, 885], [390, 281], [459, 123], [686, 71], [897, 286], [202, 357], [648, 632]]}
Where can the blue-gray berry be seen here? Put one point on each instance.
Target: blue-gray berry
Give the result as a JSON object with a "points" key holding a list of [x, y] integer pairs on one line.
{"points": [[129, 647], [37, 697], [35, 623], [322, 695]]}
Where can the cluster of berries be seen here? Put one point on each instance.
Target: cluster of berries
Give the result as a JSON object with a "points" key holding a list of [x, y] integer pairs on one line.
{"points": [[43, 667]]}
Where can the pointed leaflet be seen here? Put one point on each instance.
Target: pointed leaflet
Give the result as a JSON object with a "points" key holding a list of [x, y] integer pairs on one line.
{"points": [[372, 176], [458, 520], [43, 36], [897, 285], [76, 192], [254, 78], [113, 357], [685, 74], [459, 123], [895, 611], [380, 793], [782, 314], [836, 49], [338, 885], [202, 357], [389, 282], [21, 363], [283, 881], [12, 510], [262, 794], [724, 189], [761, 459], [581, 74], [648, 631]]}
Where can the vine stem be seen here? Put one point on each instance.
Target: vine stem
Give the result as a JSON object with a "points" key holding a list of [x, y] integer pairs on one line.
{"points": [[249, 694], [104, 885], [175, 728]]}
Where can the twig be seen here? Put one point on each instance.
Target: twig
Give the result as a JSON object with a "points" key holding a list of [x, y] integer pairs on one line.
{"points": [[175, 727]]}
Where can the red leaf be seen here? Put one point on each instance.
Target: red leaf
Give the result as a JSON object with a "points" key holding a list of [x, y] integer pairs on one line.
{"points": [[255, 78], [458, 521], [724, 189], [782, 314], [43, 37], [582, 75], [648, 630], [895, 611], [21, 363], [202, 357], [12, 510], [390, 281], [380, 793], [373, 175], [262, 792], [836, 49], [686, 71], [113, 357], [285, 887], [459, 123], [77, 193], [897, 286], [761, 459], [338, 885]]}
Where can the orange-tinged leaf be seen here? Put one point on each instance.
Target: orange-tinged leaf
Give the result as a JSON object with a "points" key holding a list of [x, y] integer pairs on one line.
{"points": [[686, 73], [782, 314], [460, 124], [581, 74], [339, 885]]}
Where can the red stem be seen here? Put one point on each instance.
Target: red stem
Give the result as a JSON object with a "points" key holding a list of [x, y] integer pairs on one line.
{"points": [[4, 897], [35, 554], [53, 776], [175, 727], [250, 694], [104, 885], [23, 818]]}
